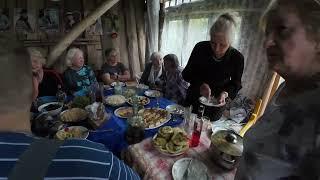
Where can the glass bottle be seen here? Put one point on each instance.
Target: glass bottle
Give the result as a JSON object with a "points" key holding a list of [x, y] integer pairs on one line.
{"points": [[135, 130], [61, 95], [197, 128]]}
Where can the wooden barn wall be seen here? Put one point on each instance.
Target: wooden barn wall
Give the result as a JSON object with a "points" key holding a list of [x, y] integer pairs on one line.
{"points": [[90, 44]]}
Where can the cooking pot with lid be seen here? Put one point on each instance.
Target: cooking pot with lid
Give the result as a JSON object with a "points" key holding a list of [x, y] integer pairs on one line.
{"points": [[226, 148]]}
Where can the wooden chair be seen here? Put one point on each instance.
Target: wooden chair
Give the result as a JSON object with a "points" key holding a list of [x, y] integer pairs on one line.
{"points": [[253, 118]]}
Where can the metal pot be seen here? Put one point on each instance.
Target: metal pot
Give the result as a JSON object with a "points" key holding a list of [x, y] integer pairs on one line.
{"points": [[226, 148]]}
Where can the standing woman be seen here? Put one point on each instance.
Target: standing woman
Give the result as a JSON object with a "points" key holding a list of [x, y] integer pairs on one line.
{"points": [[285, 141], [78, 77], [214, 67]]}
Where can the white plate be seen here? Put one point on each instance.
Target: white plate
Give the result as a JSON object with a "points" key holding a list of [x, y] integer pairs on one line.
{"points": [[121, 83], [116, 112], [152, 93], [110, 100], [211, 102], [197, 170], [81, 128], [168, 118], [175, 109]]}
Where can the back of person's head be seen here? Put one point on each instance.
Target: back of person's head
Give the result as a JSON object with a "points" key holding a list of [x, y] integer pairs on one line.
{"points": [[173, 59], [307, 10], [16, 75], [70, 55], [225, 23]]}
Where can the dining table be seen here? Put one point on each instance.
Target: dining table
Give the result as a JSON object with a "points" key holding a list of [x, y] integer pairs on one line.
{"points": [[150, 163], [114, 139]]}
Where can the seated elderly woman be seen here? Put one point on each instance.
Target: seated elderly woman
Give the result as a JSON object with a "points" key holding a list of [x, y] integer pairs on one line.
{"points": [[78, 77], [153, 75], [175, 87], [284, 143], [37, 61], [112, 69]]}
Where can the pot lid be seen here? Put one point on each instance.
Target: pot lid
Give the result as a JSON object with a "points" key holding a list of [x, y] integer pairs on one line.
{"points": [[228, 142]]}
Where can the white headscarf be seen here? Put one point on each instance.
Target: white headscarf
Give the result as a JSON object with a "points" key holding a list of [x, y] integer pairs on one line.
{"points": [[151, 77]]}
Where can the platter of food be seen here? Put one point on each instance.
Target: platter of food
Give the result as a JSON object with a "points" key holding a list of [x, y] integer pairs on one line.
{"points": [[73, 132], [73, 115], [124, 112], [115, 100], [154, 117], [152, 93], [142, 100], [171, 141]]}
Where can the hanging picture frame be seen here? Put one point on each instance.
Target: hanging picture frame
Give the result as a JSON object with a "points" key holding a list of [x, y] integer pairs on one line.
{"points": [[48, 20], [4, 20]]}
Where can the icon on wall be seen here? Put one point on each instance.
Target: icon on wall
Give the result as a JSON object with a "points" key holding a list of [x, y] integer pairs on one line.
{"points": [[48, 20], [95, 28], [24, 22], [71, 19], [4, 20]]}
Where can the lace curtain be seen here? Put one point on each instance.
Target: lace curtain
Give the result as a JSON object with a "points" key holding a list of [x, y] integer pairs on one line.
{"points": [[189, 23]]}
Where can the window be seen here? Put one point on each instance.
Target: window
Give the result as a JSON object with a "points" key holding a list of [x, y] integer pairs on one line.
{"points": [[182, 33], [171, 3]]}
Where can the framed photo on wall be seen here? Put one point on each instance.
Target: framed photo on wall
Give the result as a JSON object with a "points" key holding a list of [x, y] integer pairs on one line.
{"points": [[4, 20], [24, 22], [48, 20], [95, 28], [70, 19]]}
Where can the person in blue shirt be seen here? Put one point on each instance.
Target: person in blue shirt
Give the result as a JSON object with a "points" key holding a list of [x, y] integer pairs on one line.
{"points": [[78, 77], [23, 156]]}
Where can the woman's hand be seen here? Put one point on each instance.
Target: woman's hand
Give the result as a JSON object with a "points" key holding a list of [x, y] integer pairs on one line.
{"points": [[222, 98], [205, 90]]}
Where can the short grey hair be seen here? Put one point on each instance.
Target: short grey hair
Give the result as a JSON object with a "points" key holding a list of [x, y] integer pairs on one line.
{"points": [[154, 56], [70, 55], [225, 23]]}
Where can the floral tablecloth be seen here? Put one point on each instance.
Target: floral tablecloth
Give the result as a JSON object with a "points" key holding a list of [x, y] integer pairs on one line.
{"points": [[151, 164]]}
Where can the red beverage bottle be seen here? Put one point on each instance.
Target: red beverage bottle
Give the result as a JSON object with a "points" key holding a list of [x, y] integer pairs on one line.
{"points": [[197, 128]]}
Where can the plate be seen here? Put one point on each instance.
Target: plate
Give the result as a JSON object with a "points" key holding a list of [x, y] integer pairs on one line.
{"points": [[152, 93], [123, 112], [52, 112], [73, 132], [175, 137], [142, 100], [154, 117], [120, 83], [197, 170], [213, 102], [73, 115], [115, 100], [175, 109]]}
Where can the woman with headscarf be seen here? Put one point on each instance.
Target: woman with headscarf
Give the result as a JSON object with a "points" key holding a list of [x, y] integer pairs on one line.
{"points": [[153, 75]]}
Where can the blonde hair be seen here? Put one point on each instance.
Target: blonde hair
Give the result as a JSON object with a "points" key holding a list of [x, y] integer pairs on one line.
{"points": [[225, 23], [307, 10], [70, 55], [36, 54]]}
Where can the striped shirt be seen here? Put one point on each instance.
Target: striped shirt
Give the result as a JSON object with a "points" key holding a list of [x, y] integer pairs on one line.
{"points": [[75, 159]]}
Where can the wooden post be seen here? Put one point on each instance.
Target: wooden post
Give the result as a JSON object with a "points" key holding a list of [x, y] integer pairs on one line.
{"points": [[267, 93], [58, 49]]}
